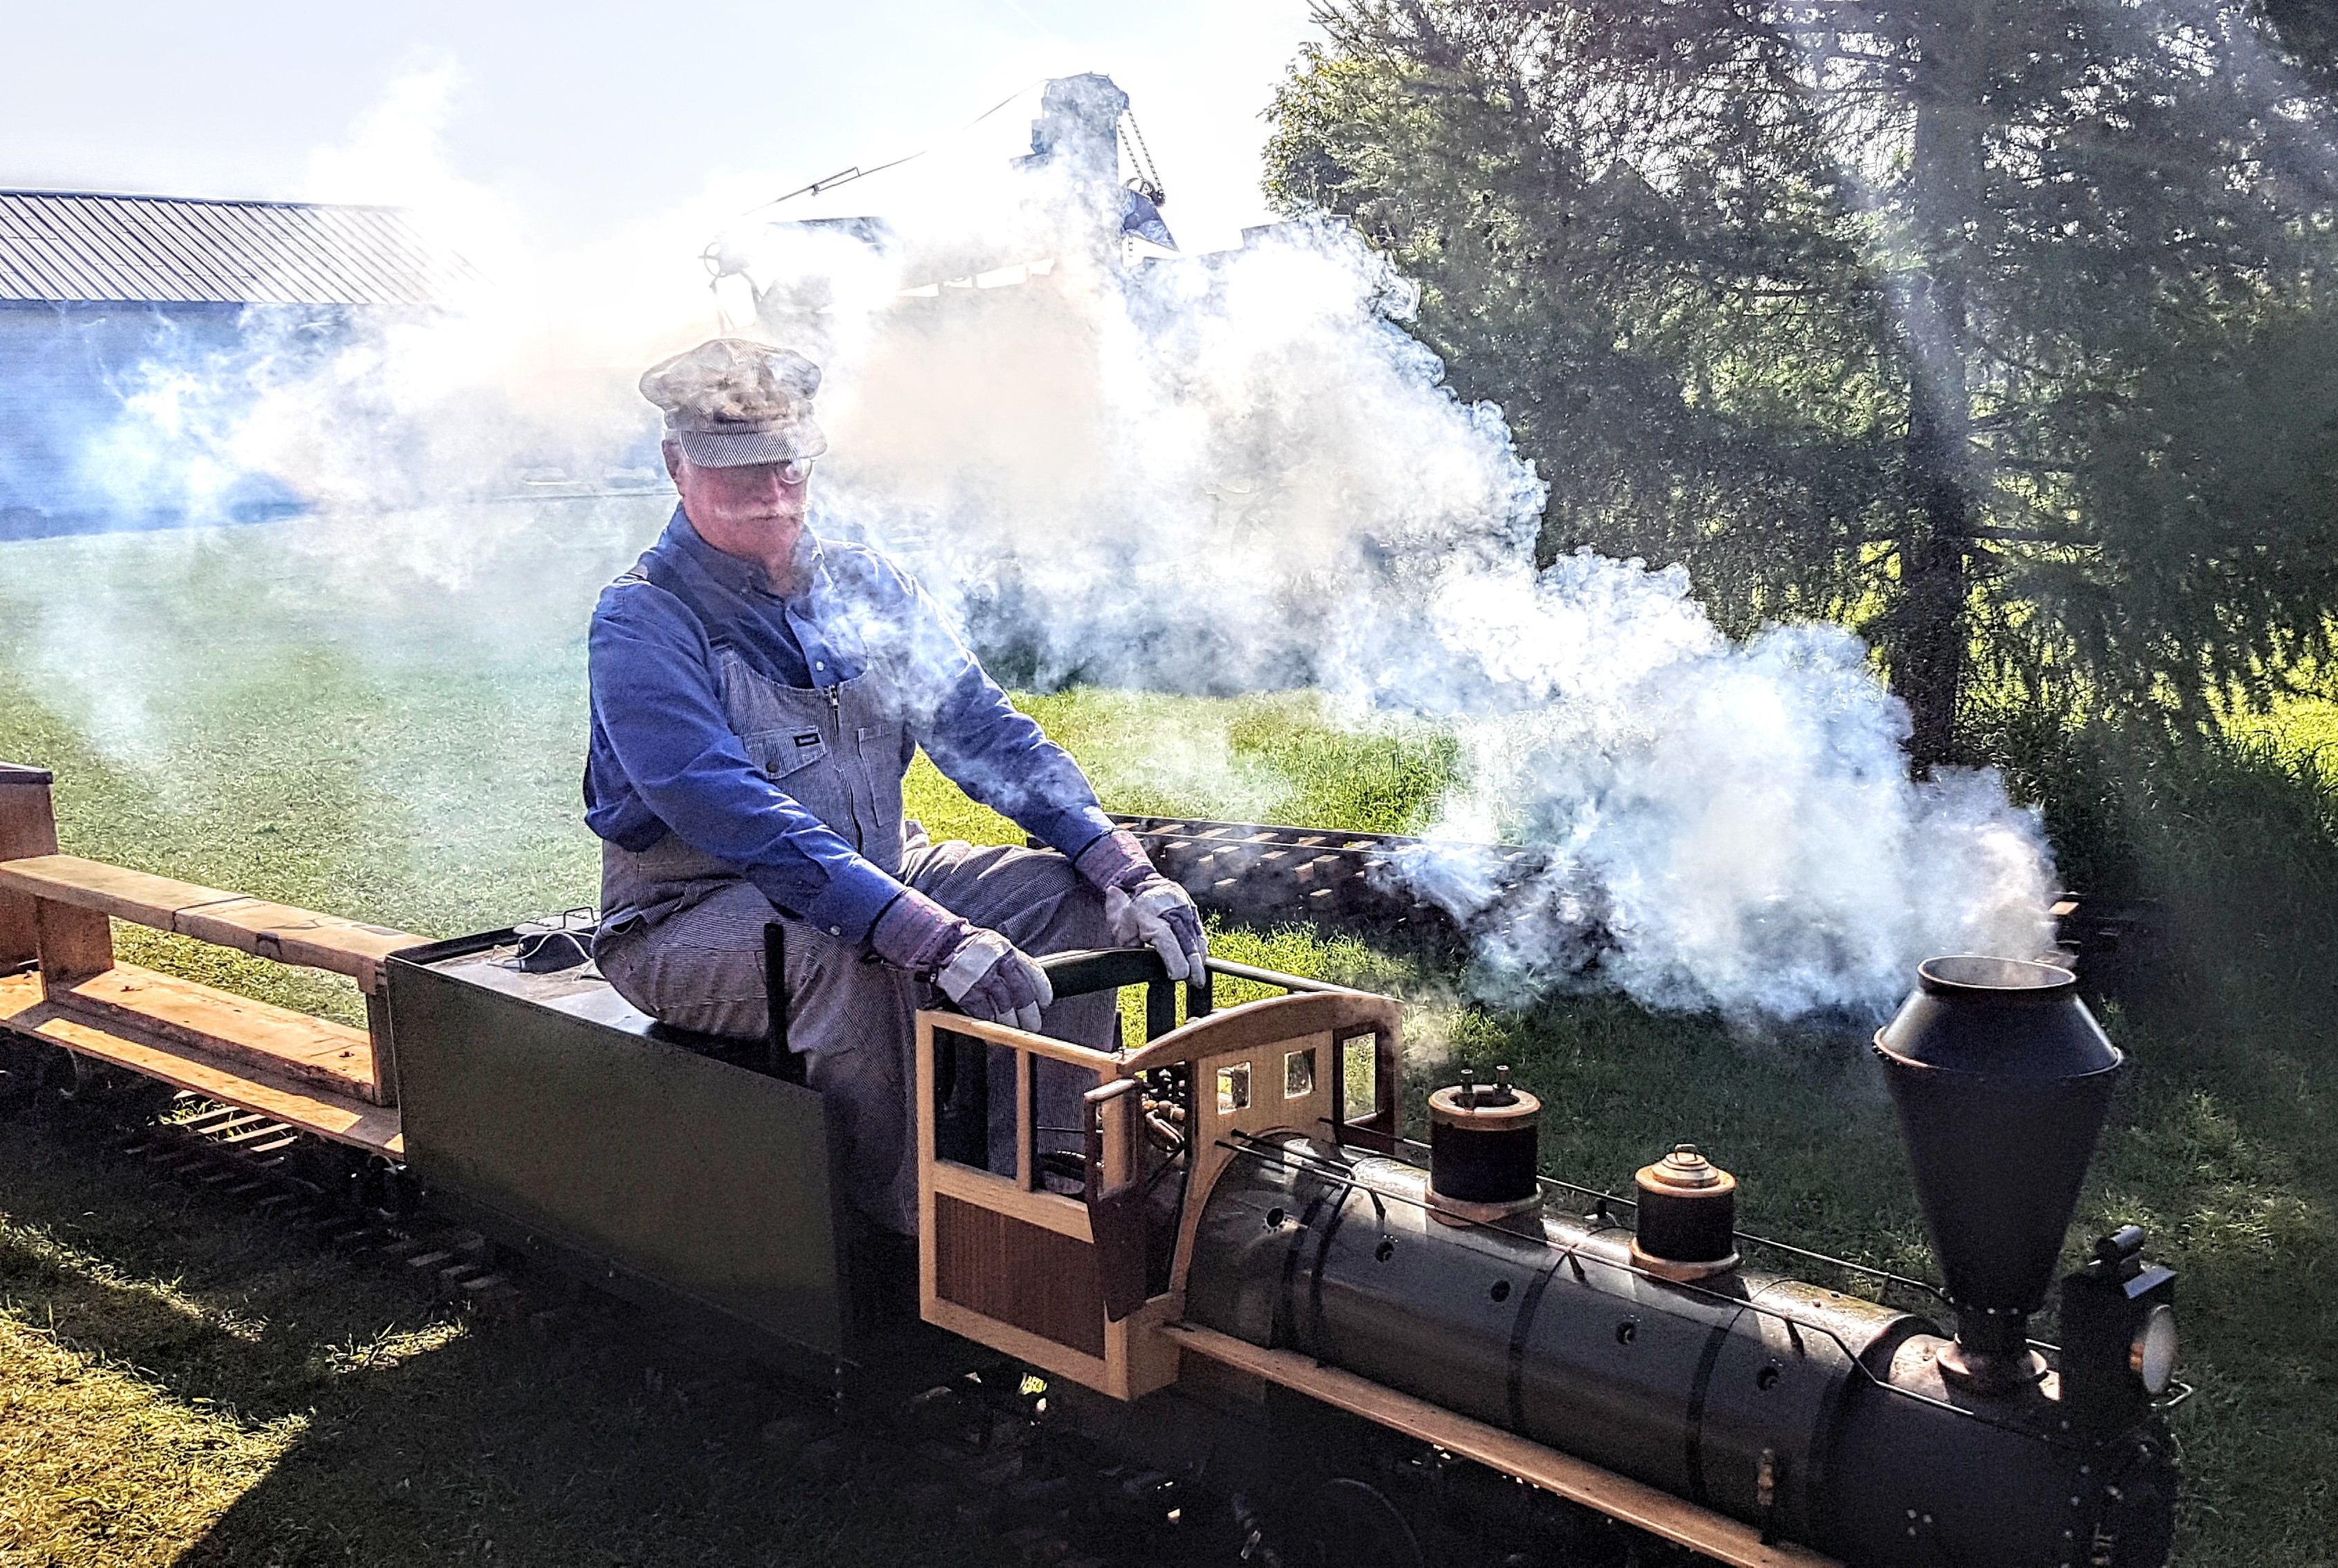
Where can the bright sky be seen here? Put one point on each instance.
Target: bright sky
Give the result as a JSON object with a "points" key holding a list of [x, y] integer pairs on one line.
{"points": [[586, 115]]}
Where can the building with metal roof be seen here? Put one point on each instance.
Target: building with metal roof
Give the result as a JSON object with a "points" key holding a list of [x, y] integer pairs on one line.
{"points": [[103, 298], [65, 247]]}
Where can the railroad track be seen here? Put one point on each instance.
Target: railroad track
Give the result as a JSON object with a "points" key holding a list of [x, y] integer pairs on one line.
{"points": [[1362, 883], [1257, 870], [308, 1187]]}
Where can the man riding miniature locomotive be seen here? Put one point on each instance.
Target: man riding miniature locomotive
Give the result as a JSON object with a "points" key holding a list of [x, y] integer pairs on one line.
{"points": [[758, 694]]}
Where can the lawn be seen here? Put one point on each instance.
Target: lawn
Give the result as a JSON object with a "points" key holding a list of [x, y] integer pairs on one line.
{"points": [[385, 722]]}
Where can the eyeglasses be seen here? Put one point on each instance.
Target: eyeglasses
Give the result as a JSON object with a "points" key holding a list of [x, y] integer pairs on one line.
{"points": [[749, 479]]}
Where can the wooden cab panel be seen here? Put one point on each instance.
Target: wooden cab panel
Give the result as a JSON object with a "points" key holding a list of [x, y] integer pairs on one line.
{"points": [[1244, 1062], [1012, 1265], [1037, 1279], [1000, 1260]]}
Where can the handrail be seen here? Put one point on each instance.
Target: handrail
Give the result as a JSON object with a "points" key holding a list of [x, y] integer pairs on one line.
{"points": [[1046, 1045], [1601, 1199], [1085, 970], [1287, 981]]}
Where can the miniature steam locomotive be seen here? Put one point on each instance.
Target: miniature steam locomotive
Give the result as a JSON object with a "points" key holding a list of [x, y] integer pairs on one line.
{"points": [[1237, 1264]]}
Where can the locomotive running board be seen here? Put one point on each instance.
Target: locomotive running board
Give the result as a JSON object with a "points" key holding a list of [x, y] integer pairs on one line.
{"points": [[1643, 1507]]}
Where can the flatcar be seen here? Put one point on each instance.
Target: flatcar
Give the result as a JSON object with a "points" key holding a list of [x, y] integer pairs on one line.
{"points": [[1237, 1265]]}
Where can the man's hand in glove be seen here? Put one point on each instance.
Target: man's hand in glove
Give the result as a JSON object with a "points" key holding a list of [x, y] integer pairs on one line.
{"points": [[989, 977], [1143, 907], [979, 970]]}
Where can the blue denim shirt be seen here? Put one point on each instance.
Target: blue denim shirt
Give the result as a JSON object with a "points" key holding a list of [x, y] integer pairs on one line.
{"points": [[663, 755]]}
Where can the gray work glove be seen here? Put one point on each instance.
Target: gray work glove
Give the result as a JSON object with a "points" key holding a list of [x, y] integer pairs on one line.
{"points": [[989, 977], [1142, 907], [979, 970]]}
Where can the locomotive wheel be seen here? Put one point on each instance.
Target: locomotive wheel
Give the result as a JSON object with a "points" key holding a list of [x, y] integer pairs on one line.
{"points": [[1347, 1524]]}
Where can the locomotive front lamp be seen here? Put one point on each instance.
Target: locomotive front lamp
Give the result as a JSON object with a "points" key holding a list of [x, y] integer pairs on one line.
{"points": [[2119, 1334], [2152, 1357]]}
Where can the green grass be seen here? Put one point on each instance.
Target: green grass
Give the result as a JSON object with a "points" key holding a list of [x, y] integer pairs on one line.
{"points": [[179, 1384], [390, 727], [1281, 757]]}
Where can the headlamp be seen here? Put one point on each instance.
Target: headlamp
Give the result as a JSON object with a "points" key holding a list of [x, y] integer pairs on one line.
{"points": [[2152, 1356]]}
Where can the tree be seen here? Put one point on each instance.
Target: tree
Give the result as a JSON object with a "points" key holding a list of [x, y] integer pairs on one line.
{"points": [[1899, 309], [2307, 31]]}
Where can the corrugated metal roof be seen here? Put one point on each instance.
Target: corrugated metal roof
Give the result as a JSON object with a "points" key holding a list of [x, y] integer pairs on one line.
{"points": [[72, 247]]}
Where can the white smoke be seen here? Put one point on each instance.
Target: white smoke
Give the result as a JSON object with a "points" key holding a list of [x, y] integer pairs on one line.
{"points": [[1214, 474], [1736, 819], [1239, 471]]}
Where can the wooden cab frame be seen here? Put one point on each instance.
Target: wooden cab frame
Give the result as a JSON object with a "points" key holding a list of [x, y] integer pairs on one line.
{"points": [[1063, 1281]]}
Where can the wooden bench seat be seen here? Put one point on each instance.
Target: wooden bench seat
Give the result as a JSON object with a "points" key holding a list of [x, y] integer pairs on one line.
{"points": [[252, 925], [141, 1044], [59, 982], [73, 900]]}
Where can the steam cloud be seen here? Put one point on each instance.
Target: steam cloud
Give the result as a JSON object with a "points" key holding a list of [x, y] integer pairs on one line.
{"points": [[1217, 474]]}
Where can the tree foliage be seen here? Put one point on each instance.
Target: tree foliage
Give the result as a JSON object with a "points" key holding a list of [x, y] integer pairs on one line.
{"points": [[2000, 328]]}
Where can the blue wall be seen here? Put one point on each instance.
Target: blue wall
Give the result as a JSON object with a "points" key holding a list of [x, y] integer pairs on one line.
{"points": [[76, 456]]}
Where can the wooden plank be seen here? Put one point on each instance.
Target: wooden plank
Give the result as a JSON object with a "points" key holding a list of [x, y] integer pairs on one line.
{"points": [[922, 1102], [1052, 1210], [1636, 1504], [257, 926], [18, 993], [1108, 1063], [1088, 1371], [29, 826], [74, 944], [1138, 1356], [139, 897], [233, 1031], [1264, 1022], [334, 1117], [385, 1049], [300, 936], [1026, 1126]]}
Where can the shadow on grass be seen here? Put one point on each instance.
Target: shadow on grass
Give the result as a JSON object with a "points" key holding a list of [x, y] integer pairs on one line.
{"points": [[407, 1433]]}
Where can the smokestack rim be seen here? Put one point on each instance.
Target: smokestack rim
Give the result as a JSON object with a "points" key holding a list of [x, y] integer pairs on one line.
{"points": [[1980, 977], [1946, 1072], [1448, 1107], [1998, 1017]]}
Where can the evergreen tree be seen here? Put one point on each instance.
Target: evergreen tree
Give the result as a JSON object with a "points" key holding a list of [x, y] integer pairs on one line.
{"points": [[1998, 328]]}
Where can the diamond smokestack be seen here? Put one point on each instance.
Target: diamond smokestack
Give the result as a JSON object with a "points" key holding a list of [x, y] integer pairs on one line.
{"points": [[2001, 1079]]}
